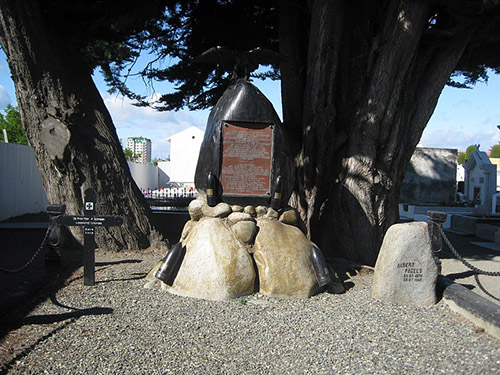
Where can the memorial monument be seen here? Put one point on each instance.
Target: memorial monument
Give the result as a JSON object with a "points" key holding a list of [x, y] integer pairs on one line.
{"points": [[242, 236]]}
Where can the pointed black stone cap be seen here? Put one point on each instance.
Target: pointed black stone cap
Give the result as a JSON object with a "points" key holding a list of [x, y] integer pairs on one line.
{"points": [[242, 102]]}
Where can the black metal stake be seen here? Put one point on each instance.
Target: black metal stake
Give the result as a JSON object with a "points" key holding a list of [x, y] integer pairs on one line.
{"points": [[55, 238], [436, 219], [89, 244]]}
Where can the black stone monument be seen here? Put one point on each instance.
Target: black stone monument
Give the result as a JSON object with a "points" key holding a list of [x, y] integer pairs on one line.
{"points": [[245, 146]]}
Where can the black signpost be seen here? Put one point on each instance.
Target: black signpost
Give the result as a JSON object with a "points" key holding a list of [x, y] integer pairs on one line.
{"points": [[89, 222]]}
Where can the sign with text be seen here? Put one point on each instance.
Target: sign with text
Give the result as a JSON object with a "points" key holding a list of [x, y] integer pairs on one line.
{"points": [[89, 221], [247, 150], [93, 221]]}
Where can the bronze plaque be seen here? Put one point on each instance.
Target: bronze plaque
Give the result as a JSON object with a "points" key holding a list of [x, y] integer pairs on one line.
{"points": [[247, 151]]}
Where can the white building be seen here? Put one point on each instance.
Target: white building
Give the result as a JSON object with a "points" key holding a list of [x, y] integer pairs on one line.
{"points": [[140, 146], [480, 179], [184, 150]]}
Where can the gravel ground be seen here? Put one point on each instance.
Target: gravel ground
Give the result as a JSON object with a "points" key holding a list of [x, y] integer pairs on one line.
{"points": [[119, 327]]}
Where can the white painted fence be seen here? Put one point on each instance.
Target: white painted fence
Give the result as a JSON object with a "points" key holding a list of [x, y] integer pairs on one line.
{"points": [[21, 189]]}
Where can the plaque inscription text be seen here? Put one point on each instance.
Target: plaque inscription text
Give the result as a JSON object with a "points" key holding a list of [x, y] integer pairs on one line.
{"points": [[246, 159]]}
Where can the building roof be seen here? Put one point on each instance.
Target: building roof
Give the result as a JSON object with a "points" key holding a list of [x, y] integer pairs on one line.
{"points": [[139, 138], [477, 158], [189, 131]]}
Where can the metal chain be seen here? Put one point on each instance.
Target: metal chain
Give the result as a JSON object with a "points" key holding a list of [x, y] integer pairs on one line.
{"points": [[29, 262], [460, 258], [476, 277], [468, 265]]}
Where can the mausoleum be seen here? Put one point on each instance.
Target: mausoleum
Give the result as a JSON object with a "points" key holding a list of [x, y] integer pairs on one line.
{"points": [[480, 180]]}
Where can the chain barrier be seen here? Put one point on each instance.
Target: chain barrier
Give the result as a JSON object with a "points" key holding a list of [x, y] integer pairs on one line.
{"points": [[29, 262], [468, 265]]}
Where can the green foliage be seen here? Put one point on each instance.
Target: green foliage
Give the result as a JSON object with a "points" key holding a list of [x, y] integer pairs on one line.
{"points": [[469, 151], [461, 158], [130, 156], [186, 30], [113, 34], [495, 151], [11, 121]]}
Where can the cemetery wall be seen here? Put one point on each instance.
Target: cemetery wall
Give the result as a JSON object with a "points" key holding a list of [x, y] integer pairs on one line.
{"points": [[431, 177], [145, 176], [163, 173], [21, 189]]}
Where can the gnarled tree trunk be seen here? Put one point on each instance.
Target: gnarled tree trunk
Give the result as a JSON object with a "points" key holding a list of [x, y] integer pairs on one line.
{"points": [[371, 84], [69, 127]]}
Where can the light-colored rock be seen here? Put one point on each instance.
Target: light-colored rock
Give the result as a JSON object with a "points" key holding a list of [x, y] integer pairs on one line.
{"points": [[239, 216], [152, 272], [221, 210], [187, 228], [405, 271], [261, 211], [195, 209], [216, 265], [272, 214], [245, 231], [250, 210], [289, 216], [237, 208], [282, 254]]}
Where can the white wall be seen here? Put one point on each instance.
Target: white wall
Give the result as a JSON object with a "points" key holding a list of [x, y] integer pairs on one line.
{"points": [[184, 150], [163, 173], [145, 176], [21, 190]]}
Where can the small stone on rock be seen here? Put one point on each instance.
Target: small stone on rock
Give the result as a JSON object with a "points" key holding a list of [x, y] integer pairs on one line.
{"points": [[221, 210], [272, 214], [195, 209], [289, 217], [250, 210], [237, 208], [261, 210], [239, 216]]}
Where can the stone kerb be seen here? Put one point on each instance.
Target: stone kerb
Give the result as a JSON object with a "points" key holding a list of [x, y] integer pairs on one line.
{"points": [[405, 271]]}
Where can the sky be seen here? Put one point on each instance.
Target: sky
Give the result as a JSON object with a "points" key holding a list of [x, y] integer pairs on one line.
{"points": [[461, 118]]}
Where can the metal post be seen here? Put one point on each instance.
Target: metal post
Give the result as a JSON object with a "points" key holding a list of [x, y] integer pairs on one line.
{"points": [[89, 240], [55, 238], [436, 220]]}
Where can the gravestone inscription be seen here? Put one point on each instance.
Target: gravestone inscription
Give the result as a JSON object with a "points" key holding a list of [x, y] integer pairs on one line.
{"points": [[406, 271], [246, 159]]}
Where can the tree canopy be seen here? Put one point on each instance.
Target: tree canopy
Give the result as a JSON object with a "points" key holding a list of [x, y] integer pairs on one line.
{"points": [[11, 121], [469, 150], [130, 156], [461, 158], [495, 151], [188, 28]]}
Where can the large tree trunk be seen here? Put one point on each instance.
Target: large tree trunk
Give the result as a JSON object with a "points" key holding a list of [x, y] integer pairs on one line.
{"points": [[69, 127], [371, 86]]}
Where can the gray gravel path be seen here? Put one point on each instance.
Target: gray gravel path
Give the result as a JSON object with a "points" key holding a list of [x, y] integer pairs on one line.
{"points": [[118, 327]]}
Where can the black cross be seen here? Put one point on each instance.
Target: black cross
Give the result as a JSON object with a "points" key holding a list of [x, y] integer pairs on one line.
{"points": [[89, 222]]}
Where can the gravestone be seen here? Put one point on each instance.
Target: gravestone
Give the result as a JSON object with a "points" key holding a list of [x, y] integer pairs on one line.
{"points": [[405, 271]]}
